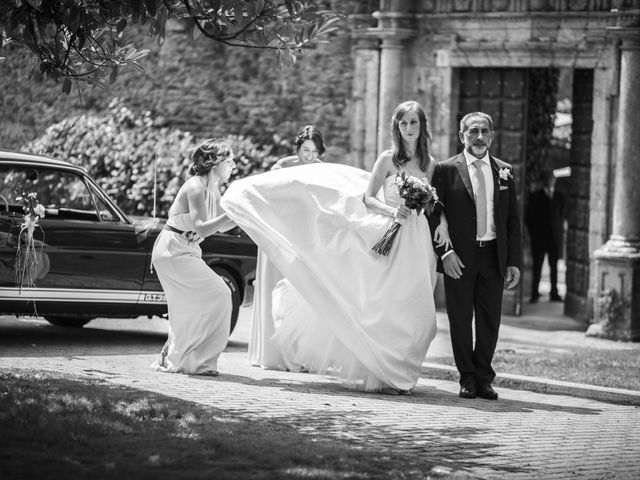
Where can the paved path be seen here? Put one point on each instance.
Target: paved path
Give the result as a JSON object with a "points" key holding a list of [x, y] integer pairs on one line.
{"points": [[524, 435]]}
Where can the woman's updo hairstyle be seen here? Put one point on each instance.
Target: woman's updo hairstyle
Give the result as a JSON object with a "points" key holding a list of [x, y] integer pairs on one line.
{"points": [[207, 154], [310, 133]]}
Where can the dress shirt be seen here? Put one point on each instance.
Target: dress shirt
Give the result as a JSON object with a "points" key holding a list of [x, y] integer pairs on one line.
{"points": [[490, 233]]}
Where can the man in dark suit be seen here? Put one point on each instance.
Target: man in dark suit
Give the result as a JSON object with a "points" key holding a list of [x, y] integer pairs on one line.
{"points": [[479, 197], [544, 217]]}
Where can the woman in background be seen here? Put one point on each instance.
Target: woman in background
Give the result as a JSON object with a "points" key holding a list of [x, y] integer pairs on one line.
{"points": [[262, 353], [309, 149]]}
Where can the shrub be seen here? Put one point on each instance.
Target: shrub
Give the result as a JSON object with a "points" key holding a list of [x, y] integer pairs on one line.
{"points": [[127, 153]]}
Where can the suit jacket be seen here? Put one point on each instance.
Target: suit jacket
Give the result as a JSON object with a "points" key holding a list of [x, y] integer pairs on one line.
{"points": [[453, 184]]}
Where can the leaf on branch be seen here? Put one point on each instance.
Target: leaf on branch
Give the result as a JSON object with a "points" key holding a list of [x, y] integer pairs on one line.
{"points": [[331, 25]]}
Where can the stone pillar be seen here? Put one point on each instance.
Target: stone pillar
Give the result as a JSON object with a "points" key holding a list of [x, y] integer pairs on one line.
{"points": [[364, 114], [617, 262], [395, 25], [391, 85]]}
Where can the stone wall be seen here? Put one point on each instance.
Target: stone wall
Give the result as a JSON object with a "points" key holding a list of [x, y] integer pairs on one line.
{"points": [[205, 88]]}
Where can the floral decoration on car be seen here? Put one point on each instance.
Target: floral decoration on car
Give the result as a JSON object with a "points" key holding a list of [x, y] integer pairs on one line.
{"points": [[27, 256]]}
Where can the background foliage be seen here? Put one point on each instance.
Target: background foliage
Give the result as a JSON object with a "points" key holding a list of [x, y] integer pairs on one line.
{"points": [[81, 41], [128, 153], [199, 87]]}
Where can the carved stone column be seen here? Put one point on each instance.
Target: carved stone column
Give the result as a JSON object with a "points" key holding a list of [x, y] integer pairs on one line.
{"points": [[364, 115], [391, 76], [395, 26], [391, 81], [617, 262]]}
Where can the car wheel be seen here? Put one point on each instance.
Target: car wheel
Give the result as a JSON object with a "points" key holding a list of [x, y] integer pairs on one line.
{"points": [[236, 298], [67, 320]]}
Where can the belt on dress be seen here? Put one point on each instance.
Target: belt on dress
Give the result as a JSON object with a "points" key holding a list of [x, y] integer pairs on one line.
{"points": [[485, 243], [173, 229]]}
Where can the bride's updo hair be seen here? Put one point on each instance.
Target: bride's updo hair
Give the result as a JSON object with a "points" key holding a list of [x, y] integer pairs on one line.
{"points": [[207, 154], [310, 133]]}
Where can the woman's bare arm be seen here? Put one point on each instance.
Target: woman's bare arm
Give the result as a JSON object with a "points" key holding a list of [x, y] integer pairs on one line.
{"points": [[381, 169]]}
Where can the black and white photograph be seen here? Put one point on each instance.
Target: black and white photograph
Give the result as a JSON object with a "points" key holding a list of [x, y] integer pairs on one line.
{"points": [[319, 239]]}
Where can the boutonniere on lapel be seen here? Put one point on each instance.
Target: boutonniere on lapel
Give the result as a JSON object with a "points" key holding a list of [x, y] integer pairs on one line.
{"points": [[504, 174]]}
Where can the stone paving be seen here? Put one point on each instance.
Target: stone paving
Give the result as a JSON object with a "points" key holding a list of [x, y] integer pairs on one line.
{"points": [[524, 435]]}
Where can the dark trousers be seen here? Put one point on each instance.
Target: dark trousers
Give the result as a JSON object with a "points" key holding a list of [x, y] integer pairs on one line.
{"points": [[538, 251], [479, 290]]}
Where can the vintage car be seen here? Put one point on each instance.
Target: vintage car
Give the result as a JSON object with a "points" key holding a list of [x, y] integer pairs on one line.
{"points": [[86, 258]]}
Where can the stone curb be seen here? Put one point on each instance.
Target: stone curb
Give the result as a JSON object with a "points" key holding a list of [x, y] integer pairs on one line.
{"points": [[542, 385]]}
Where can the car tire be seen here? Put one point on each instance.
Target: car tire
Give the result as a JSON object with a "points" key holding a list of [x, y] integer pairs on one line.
{"points": [[67, 320], [236, 297]]}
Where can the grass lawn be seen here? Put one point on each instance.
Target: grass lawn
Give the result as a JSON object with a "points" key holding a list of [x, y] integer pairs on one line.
{"points": [[58, 427], [605, 368]]}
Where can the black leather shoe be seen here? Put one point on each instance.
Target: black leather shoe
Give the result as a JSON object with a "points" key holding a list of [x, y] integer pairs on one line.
{"points": [[555, 298], [486, 391], [468, 390]]}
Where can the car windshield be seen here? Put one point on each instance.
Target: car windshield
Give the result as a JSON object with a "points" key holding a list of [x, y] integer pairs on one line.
{"points": [[62, 193]]}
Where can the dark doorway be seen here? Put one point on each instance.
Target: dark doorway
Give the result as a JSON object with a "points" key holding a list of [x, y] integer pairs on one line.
{"points": [[523, 104]]}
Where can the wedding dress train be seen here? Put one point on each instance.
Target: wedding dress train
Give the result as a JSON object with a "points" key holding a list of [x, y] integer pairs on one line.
{"points": [[342, 309]]}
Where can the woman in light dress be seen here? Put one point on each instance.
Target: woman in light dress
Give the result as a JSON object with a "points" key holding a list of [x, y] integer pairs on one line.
{"points": [[342, 309], [309, 148], [199, 301]]}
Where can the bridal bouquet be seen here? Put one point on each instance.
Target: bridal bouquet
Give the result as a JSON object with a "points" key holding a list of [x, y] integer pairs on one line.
{"points": [[417, 196], [26, 254]]}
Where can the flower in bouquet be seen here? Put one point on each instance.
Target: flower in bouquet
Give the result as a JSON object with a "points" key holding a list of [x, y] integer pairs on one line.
{"points": [[27, 258], [418, 196]]}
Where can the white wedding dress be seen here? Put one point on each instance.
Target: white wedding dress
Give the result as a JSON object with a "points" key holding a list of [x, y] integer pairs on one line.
{"points": [[261, 352], [343, 309]]}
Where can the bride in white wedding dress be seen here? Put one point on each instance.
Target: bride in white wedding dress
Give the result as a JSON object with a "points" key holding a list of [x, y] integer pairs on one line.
{"points": [[343, 309]]}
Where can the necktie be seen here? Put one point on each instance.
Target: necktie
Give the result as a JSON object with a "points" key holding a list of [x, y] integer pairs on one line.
{"points": [[481, 199]]}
